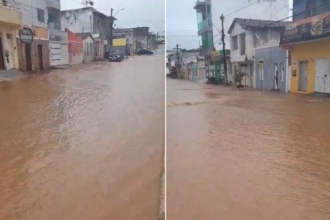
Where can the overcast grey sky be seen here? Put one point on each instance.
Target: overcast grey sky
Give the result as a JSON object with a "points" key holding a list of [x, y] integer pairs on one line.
{"points": [[140, 13], [181, 24]]}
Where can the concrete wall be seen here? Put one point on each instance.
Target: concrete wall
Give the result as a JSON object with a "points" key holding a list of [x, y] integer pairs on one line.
{"points": [[271, 56], [264, 9], [78, 21], [75, 48], [235, 55], [88, 51], [59, 53]]}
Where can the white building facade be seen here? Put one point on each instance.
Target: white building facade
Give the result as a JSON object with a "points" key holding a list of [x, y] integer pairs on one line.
{"points": [[251, 9]]}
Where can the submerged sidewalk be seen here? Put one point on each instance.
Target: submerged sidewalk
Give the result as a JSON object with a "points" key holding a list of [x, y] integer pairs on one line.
{"points": [[7, 75]]}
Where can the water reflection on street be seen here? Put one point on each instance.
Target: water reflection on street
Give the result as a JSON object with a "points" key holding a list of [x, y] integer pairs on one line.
{"points": [[83, 143], [245, 155]]}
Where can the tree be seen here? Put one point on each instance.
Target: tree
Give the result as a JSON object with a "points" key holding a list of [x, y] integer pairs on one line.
{"points": [[238, 77]]}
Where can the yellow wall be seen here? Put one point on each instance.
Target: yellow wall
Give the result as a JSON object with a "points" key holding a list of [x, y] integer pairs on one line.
{"points": [[119, 42], [308, 52]]}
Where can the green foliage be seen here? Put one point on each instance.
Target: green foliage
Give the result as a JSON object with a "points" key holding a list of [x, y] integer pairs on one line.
{"points": [[238, 77]]}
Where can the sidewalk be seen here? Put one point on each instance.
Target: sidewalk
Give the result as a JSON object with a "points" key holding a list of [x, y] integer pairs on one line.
{"points": [[7, 75]]}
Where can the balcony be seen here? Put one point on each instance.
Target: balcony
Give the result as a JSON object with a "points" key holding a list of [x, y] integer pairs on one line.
{"points": [[308, 29], [200, 5], [10, 14], [205, 26]]}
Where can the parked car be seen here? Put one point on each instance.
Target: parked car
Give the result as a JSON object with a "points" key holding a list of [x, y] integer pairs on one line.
{"points": [[116, 56], [144, 52]]}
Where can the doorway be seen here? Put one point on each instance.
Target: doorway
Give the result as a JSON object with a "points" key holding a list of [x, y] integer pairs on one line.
{"points": [[41, 63], [303, 75], [2, 62], [28, 57]]}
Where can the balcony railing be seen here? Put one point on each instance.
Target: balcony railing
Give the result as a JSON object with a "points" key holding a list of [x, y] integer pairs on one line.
{"points": [[204, 24], [12, 4]]}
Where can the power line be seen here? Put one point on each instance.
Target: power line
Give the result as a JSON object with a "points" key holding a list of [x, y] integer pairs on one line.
{"points": [[242, 8], [177, 35]]}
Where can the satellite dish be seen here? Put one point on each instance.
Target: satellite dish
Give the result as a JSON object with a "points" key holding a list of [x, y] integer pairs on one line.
{"points": [[91, 3]]}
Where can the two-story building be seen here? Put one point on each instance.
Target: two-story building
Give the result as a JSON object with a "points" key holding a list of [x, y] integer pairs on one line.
{"points": [[59, 42], [254, 47], [140, 38], [88, 20], [308, 40], [35, 55], [10, 22]]}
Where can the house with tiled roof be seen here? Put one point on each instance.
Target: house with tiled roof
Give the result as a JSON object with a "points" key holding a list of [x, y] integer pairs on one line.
{"points": [[255, 41]]}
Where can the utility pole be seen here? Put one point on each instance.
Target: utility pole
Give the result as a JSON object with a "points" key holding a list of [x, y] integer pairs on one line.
{"points": [[224, 48], [111, 28], [178, 57]]}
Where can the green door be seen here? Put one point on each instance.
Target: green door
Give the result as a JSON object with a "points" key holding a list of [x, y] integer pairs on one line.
{"points": [[218, 70]]}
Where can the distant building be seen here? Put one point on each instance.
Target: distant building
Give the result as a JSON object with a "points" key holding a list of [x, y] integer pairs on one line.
{"points": [[140, 38], [127, 33]]}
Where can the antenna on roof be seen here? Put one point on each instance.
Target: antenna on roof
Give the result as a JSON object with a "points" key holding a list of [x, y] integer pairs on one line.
{"points": [[87, 3]]}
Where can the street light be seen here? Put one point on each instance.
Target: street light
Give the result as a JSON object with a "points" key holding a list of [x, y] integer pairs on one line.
{"points": [[119, 11]]}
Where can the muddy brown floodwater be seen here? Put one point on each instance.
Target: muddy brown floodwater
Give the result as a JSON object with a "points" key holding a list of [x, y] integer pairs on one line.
{"points": [[244, 155], [83, 143]]}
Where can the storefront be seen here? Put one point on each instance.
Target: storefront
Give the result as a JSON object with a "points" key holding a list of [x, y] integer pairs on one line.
{"points": [[308, 41], [33, 49]]}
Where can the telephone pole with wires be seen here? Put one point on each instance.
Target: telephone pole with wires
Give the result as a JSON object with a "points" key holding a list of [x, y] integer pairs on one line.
{"points": [[224, 48]]}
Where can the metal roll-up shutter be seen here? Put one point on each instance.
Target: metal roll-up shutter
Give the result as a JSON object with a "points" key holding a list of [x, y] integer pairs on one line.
{"points": [[322, 76]]}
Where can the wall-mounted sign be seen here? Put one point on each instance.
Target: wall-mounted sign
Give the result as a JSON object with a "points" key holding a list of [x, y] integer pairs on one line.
{"points": [[26, 35], [307, 29]]}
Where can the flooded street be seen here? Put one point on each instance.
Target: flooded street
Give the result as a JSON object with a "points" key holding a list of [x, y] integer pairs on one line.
{"points": [[245, 155], [84, 143]]}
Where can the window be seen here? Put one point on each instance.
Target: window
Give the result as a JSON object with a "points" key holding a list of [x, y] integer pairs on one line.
{"points": [[242, 43], [310, 8], [4, 2], [41, 15], [235, 42]]}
